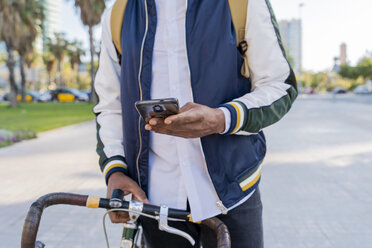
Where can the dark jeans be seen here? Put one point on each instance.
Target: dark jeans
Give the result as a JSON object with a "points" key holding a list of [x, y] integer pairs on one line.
{"points": [[244, 223]]}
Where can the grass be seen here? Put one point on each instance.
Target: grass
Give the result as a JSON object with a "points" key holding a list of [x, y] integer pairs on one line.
{"points": [[41, 117]]}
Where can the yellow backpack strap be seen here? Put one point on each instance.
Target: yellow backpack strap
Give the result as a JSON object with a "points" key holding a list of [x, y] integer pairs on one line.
{"points": [[117, 15], [238, 9]]}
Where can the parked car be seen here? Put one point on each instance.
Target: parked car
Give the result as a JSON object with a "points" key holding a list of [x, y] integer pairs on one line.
{"points": [[30, 96], [46, 96], [361, 89], [69, 95], [309, 91], [86, 92], [339, 90]]}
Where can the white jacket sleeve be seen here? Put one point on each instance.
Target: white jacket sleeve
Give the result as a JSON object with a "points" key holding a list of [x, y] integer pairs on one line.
{"points": [[108, 110], [274, 86]]}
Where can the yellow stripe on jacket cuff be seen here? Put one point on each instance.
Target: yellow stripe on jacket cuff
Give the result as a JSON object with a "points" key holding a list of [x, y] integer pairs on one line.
{"points": [[240, 116], [114, 164]]}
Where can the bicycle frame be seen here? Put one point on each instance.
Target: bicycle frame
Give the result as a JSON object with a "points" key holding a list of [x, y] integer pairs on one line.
{"points": [[161, 213]]}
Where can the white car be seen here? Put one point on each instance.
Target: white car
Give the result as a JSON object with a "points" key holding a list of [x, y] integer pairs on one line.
{"points": [[361, 90]]}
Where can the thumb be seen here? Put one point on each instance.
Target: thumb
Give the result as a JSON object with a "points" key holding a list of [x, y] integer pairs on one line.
{"points": [[139, 194]]}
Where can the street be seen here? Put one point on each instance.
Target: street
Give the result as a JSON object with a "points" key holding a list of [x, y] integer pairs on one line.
{"points": [[317, 181], [316, 184]]}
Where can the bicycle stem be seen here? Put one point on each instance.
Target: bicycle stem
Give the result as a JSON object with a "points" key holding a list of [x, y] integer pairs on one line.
{"points": [[130, 228]]}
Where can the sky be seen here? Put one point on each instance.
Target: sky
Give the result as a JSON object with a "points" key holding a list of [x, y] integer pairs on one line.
{"points": [[326, 24]]}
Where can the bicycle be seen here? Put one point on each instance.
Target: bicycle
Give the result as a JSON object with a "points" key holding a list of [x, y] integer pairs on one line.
{"points": [[131, 236]]}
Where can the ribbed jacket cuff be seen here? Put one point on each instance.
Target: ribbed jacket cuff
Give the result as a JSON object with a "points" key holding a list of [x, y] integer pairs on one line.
{"points": [[239, 115], [114, 164]]}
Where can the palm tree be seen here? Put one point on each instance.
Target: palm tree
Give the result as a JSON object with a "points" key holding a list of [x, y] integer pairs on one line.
{"points": [[32, 18], [90, 13], [58, 47], [10, 33], [75, 52], [50, 65]]}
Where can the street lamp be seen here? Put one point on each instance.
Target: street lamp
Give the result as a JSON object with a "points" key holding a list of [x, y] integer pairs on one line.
{"points": [[300, 6]]}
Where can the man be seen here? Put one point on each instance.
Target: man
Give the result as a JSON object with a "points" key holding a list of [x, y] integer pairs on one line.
{"points": [[208, 157]]}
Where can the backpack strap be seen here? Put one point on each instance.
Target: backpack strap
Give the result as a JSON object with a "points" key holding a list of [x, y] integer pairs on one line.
{"points": [[117, 15], [238, 10]]}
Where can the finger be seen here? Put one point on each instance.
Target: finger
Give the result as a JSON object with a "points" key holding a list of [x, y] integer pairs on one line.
{"points": [[175, 127], [183, 118], [183, 109], [156, 121], [187, 106], [148, 127], [118, 217], [138, 193], [178, 133]]}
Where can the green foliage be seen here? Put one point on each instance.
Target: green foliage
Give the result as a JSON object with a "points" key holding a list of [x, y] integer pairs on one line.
{"points": [[20, 23], [57, 45], [44, 116], [347, 71], [362, 69], [75, 52], [90, 11]]}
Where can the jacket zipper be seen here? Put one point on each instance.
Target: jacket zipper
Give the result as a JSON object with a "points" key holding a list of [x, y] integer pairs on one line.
{"points": [[141, 97], [219, 203]]}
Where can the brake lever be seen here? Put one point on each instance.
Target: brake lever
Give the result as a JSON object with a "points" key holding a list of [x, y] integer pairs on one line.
{"points": [[163, 225]]}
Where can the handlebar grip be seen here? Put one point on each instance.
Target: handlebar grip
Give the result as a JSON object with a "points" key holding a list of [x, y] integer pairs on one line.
{"points": [[32, 221], [221, 230]]}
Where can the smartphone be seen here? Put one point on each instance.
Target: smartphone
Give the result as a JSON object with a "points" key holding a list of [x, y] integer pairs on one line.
{"points": [[157, 108]]}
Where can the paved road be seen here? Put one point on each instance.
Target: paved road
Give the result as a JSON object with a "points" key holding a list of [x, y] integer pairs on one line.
{"points": [[349, 97], [316, 186]]}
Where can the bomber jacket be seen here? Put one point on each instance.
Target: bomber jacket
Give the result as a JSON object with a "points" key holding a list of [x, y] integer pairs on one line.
{"points": [[233, 159]]}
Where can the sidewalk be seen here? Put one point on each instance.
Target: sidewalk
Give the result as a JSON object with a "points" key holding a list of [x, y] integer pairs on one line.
{"points": [[62, 160], [316, 185], [317, 177]]}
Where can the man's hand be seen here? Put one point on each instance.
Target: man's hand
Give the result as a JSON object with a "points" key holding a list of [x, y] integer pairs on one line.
{"points": [[193, 121], [120, 181]]}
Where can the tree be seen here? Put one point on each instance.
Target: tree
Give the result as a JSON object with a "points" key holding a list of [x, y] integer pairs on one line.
{"points": [[347, 71], [58, 47], [10, 33], [362, 69], [75, 52], [32, 17], [90, 13], [50, 64]]}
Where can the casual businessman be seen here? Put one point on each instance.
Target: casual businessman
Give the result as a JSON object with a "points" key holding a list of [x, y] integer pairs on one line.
{"points": [[208, 157]]}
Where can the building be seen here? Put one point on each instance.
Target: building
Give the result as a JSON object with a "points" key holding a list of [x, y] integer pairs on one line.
{"points": [[291, 33], [343, 54], [52, 23]]}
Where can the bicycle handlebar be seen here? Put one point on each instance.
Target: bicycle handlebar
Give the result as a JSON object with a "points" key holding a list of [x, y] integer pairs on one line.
{"points": [[32, 221]]}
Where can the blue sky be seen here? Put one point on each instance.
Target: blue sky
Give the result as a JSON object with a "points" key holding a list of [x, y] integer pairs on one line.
{"points": [[326, 24]]}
